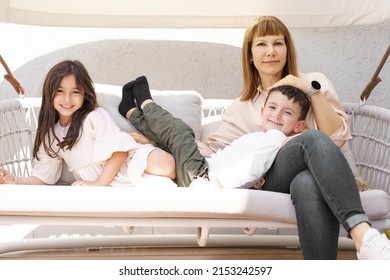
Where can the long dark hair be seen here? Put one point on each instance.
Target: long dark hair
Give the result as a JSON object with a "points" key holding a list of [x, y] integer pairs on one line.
{"points": [[48, 116]]}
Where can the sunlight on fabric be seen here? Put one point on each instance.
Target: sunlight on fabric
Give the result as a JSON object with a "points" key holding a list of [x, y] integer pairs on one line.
{"points": [[192, 13]]}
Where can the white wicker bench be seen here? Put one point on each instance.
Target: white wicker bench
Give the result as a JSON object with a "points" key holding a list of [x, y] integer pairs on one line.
{"points": [[171, 207]]}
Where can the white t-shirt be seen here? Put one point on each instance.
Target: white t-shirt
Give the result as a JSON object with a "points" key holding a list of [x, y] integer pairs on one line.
{"points": [[245, 160]]}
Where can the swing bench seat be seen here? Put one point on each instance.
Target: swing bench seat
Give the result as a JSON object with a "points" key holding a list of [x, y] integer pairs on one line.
{"points": [[200, 211]]}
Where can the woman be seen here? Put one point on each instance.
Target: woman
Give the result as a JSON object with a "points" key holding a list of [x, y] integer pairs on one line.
{"points": [[311, 166]]}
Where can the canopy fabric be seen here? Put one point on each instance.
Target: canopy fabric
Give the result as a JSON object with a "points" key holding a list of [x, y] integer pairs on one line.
{"points": [[192, 13]]}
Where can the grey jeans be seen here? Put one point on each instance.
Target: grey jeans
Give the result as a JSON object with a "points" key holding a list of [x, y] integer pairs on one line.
{"points": [[323, 190], [173, 135]]}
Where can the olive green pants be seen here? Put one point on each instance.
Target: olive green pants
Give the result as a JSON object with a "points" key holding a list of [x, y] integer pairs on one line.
{"points": [[174, 135]]}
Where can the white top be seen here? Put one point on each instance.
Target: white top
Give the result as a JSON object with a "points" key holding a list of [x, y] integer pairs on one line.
{"points": [[100, 138], [245, 160]]}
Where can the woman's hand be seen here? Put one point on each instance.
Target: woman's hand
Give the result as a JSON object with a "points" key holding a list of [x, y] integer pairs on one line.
{"points": [[294, 81], [328, 120], [140, 138], [6, 177]]}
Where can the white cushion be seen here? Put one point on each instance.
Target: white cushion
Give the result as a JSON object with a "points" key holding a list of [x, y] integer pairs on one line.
{"points": [[184, 104], [192, 203]]}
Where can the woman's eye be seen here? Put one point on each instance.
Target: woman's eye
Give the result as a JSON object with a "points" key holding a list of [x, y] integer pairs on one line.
{"points": [[260, 44]]}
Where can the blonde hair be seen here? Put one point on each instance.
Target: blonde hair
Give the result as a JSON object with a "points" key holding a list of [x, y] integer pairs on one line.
{"points": [[260, 27]]}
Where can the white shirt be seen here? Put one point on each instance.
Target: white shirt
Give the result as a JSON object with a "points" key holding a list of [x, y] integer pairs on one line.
{"points": [[245, 160]]}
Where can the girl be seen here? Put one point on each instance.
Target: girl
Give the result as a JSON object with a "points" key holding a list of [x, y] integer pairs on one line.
{"points": [[73, 128]]}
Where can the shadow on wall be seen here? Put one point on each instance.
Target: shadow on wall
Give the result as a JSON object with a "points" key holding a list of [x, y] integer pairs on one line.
{"points": [[212, 69]]}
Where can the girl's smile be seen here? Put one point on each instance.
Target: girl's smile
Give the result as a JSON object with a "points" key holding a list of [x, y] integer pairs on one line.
{"points": [[68, 98]]}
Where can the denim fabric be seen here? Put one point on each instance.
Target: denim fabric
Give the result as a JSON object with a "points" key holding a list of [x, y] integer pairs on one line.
{"points": [[323, 190], [167, 131]]}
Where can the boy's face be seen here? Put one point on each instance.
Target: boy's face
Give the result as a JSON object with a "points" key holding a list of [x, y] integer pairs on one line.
{"points": [[281, 114]]}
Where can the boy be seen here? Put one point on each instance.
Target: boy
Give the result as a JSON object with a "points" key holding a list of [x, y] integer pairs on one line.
{"points": [[239, 165]]}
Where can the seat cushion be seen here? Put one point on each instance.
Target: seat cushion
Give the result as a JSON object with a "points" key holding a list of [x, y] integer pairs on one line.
{"points": [[163, 202]]}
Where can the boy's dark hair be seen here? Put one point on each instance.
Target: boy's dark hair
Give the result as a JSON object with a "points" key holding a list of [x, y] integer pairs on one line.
{"points": [[297, 95]]}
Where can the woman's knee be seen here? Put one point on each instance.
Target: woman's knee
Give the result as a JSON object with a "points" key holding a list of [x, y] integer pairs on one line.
{"points": [[317, 141], [316, 136], [303, 187]]}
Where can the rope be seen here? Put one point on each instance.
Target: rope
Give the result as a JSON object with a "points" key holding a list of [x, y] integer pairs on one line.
{"points": [[11, 78], [375, 79], [16, 135], [370, 144]]}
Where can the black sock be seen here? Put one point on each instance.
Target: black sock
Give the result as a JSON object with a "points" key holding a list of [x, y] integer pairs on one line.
{"points": [[141, 91], [127, 101]]}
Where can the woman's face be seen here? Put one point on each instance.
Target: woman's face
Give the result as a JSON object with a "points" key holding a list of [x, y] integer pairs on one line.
{"points": [[269, 55]]}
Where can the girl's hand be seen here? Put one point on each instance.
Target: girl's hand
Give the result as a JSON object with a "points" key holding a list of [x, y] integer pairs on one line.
{"points": [[294, 81], [140, 138], [87, 184], [6, 177]]}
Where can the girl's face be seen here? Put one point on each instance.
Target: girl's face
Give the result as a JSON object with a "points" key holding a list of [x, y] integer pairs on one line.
{"points": [[68, 98], [282, 114], [269, 55]]}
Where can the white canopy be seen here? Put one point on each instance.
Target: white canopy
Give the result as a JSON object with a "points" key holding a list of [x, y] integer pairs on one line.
{"points": [[192, 13]]}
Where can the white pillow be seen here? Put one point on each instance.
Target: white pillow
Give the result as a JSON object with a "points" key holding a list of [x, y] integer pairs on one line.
{"points": [[184, 104]]}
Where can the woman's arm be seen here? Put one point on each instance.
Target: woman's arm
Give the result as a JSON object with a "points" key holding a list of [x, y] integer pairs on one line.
{"points": [[111, 168], [328, 120], [326, 117]]}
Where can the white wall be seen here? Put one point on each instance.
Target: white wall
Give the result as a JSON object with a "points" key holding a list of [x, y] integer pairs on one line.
{"points": [[347, 55]]}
